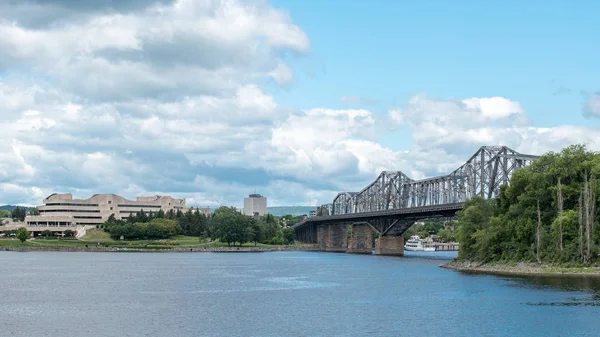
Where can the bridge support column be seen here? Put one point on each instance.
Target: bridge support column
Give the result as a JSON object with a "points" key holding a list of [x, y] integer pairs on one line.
{"points": [[389, 245], [361, 241], [332, 238]]}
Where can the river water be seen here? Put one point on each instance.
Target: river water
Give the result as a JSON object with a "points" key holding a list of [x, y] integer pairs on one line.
{"points": [[281, 294]]}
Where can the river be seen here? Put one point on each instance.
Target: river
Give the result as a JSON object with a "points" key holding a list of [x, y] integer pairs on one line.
{"points": [[282, 294]]}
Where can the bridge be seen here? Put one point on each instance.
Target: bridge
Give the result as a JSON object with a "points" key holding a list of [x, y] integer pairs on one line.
{"points": [[393, 202]]}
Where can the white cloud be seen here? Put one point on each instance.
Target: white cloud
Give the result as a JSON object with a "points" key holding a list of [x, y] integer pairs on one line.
{"points": [[494, 107], [120, 100], [282, 74]]}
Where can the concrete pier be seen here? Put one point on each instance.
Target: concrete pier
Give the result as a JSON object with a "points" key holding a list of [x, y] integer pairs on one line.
{"points": [[332, 238], [361, 241], [389, 245]]}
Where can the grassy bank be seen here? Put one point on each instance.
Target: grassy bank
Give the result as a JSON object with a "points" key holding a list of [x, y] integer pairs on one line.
{"points": [[100, 239], [522, 268]]}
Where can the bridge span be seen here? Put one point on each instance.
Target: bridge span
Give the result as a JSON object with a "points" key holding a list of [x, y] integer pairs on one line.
{"points": [[393, 202]]}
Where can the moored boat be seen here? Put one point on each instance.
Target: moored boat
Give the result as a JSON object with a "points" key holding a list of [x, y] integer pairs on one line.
{"points": [[415, 243]]}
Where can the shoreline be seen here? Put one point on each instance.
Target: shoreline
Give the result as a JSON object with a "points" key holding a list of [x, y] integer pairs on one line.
{"points": [[159, 250], [520, 269]]}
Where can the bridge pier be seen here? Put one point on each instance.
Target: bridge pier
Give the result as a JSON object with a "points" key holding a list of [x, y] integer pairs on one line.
{"points": [[389, 245], [307, 234], [361, 240], [332, 238]]}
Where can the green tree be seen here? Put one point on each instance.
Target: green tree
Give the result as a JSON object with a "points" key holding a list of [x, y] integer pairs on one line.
{"points": [[473, 217], [18, 213], [289, 236], [69, 233], [5, 214], [272, 229], [34, 211], [22, 234], [542, 216], [230, 226], [141, 216], [258, 231], [446, 235]]}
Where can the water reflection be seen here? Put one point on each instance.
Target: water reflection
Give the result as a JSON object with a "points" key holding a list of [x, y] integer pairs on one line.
{"points": [[561, 282], [588, 284]]}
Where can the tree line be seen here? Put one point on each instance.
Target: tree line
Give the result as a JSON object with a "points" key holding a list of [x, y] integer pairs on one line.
{"points": [[226, 225], [547, 214], [445, 230], [18, 213]]}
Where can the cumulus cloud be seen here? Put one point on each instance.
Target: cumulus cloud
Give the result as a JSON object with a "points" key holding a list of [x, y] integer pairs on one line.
{"points": [[111, 97], [454, 129]]}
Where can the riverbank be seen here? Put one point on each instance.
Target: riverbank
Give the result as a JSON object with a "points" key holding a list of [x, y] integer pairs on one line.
{"points": [[92, 248], [521, 268]]}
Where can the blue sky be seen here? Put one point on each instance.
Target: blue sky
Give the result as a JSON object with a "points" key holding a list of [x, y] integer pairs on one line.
{"points": [[211, 100], [391, 50]]}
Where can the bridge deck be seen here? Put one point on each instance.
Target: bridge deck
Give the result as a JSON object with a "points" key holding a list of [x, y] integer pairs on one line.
{"points": [[416, 212]]}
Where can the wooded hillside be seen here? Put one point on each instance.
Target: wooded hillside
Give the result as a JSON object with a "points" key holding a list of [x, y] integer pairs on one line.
{"points": [[547, 214]]}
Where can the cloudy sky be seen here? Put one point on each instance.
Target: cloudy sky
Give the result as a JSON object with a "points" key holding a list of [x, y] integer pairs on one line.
{"points": [[211, 100]]}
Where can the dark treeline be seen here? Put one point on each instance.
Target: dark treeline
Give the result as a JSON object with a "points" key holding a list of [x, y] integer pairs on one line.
{"points": [[226, 225], [18, 213], [547, 214]]}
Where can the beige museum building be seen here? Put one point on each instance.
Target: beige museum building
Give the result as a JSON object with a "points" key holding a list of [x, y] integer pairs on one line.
{"points": [[61, 210]]}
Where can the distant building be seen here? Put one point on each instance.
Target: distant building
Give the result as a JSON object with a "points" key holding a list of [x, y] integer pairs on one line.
{"points": [[255, 205], [313, 213], [62, 210], [202, 210]]}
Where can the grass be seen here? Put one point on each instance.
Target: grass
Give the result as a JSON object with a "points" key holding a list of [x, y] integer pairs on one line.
{"points": [[101, 238], [97, 236]]}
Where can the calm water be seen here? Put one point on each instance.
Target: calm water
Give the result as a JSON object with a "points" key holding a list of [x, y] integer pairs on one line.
{"points": [[281, 294]]}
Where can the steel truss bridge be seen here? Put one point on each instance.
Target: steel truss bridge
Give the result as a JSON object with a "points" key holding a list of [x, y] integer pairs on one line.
{"points": [[394, 200]]}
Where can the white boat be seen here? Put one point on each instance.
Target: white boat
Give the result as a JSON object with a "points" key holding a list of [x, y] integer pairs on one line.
{"points": [[416, 244]]}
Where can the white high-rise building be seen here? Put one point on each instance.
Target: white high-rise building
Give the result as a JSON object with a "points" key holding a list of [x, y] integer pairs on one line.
{"points": [[255, 205]]}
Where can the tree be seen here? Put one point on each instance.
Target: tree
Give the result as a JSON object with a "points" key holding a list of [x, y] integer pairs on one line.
{"points": [[560, 214], [160, 214], [289, 219], [69, 233], [46, 233], [155, 229], [473, 217], [141, 216], [231, 226], [258, 231], [538, 237], [4, 214], [34, 211], [446, 235], [272, 228], [289, 236], [547, 213], [18, 213], [22, 234]]}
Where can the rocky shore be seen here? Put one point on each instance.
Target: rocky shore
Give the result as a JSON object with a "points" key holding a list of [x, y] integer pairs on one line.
{"points": [[174, 249], [521, 268]]}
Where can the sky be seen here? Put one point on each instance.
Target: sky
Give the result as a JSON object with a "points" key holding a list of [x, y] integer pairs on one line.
{"points": [[211, 100]]}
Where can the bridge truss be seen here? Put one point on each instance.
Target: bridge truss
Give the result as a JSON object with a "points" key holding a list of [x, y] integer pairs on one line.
{"points": [[482, 174]]}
